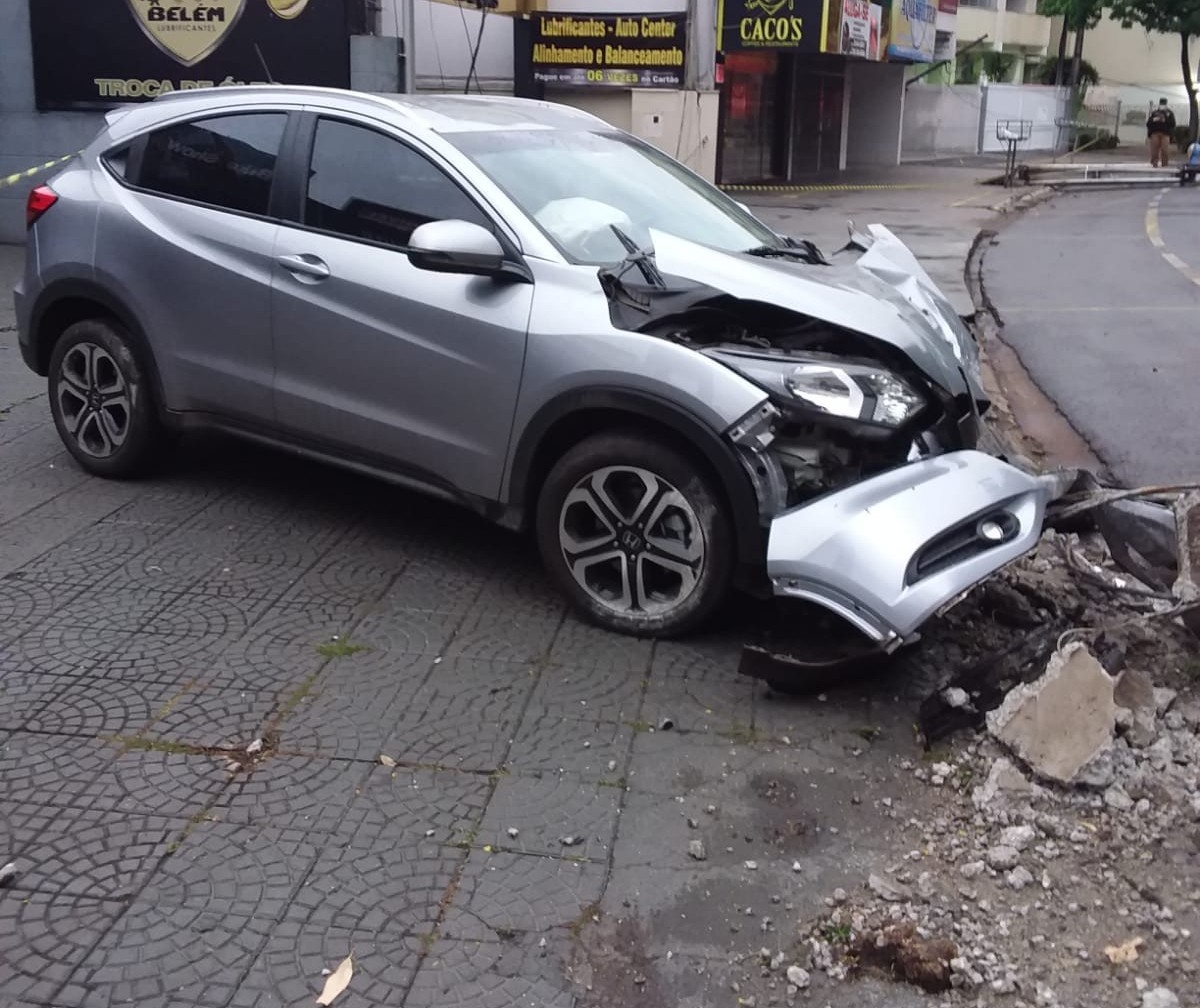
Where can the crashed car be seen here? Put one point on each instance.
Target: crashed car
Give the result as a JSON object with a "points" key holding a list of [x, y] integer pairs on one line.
{"points": [[519, 308]]}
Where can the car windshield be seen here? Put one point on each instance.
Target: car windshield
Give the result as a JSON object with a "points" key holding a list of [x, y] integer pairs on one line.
{"points": [[575, 185]]}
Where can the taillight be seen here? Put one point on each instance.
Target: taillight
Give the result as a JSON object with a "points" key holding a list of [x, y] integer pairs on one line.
{"points": [[40, 200]]}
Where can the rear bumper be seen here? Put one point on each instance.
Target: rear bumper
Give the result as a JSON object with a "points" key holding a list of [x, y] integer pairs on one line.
{"points": [[888, 553]]}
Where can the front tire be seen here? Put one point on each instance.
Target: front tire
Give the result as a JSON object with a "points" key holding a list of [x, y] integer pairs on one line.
{"points": [[635, 534], [101, 401]]}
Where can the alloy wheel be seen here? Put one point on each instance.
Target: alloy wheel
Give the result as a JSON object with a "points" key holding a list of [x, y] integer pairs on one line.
{"points": [[631, 540], [93, 398]]}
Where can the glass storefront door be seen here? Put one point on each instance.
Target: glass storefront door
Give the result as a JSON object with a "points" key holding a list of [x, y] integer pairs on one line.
{"points": [[752, 140]]}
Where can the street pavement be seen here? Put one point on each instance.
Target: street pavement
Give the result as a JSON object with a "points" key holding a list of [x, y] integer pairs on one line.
{"points": [[1104, 320], [207, 676]]}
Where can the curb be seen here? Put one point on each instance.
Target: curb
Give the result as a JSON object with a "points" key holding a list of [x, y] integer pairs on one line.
{"points": [[1004, 420]]}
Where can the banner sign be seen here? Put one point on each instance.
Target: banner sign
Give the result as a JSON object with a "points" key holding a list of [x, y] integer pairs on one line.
{"points": [[947, 6], [791, 25], [913, 30], [856, 29], [106, 52], [875, 49], [613, 50]]}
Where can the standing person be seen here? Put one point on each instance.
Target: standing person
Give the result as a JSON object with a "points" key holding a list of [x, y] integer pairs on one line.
{"points": [[1160, 127]]}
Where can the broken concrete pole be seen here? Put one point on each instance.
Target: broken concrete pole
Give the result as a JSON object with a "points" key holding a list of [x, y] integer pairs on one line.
{"points": [[1061, 720], [1187, 531], [1135, 692]]}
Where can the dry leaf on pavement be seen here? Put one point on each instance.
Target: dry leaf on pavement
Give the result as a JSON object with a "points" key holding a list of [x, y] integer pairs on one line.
{"points": [[386, 760], [1126, 952], [337, 981]]}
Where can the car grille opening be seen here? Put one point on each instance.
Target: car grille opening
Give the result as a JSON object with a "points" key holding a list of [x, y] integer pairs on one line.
{"points": [[970, 539]]}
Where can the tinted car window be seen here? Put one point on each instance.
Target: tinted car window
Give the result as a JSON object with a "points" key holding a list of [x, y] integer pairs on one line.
{"points": [[227, 161], [367, 185]]}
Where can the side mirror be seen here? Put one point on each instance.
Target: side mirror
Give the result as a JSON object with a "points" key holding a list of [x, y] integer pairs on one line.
{"points": [[456, 246]]}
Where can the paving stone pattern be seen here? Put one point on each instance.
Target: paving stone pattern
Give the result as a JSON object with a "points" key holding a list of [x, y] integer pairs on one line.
{"points": [[151, 631]]}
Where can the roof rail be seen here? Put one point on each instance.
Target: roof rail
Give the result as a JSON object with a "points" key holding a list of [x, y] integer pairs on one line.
{"points": [[268, 89]]}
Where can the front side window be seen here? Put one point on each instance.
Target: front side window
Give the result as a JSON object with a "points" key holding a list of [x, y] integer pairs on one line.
{"points": [[226, 161], [363, 184]]}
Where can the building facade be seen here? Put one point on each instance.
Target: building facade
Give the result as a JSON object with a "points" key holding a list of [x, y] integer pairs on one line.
{"points": [[742, 91]]}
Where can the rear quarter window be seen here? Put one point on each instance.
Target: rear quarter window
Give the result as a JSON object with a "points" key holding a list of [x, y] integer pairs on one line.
{"points": [[224, 161]]}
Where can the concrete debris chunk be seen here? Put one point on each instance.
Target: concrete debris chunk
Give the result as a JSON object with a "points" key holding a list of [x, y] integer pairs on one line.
{"points": [[696, 850], [1018, 837], [1002, 857], [1117, 799], [798, 977], [1004, 782], [1135, 692], [1063, 719], [1160, 997], [887, 890]]}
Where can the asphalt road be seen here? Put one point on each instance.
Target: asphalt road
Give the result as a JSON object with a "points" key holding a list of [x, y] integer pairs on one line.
{"points": [[1099, 293]]}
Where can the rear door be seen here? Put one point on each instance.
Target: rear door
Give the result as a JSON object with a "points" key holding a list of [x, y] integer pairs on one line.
{"points": [[413, 369], [188, 243]]}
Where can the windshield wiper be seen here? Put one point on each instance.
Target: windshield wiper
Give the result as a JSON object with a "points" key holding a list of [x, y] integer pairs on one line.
{"points": [[803, 250], [612, 280]]}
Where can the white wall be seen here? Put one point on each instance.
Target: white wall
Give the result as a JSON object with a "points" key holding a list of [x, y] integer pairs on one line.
{"points": [[876, 113], [1040, 105], [1124, 56], [941, 119], [680, 123], [945, 119]]}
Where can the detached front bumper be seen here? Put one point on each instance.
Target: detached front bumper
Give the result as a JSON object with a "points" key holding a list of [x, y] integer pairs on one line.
{"points": [[888, 553]]}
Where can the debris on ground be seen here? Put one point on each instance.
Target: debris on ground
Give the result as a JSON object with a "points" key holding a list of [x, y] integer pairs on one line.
{"points": [[1074, 690], [7, 873], [902, 951]]}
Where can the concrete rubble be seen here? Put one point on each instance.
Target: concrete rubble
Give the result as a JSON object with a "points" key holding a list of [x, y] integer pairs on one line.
{"points": [[1063, 720]]}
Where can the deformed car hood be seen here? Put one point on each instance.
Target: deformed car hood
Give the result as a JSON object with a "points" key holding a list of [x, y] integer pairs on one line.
{"points": [[876, 295]]}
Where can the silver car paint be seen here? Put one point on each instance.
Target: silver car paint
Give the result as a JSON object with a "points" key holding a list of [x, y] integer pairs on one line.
{"points": [[850, 551], [381, 357]]}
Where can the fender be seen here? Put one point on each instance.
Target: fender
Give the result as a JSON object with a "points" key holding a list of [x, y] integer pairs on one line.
{"points": [[526, 465], [37, 351]]}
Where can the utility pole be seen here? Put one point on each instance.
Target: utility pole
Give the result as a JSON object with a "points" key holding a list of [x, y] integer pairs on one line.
{"points": [[408, 21]]}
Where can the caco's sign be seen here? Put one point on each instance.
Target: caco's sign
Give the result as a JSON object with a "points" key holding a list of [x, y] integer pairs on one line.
{"points": [[793, 25]]}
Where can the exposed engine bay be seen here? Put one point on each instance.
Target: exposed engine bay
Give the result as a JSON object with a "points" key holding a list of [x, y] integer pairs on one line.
{"points": [[805, 445]]}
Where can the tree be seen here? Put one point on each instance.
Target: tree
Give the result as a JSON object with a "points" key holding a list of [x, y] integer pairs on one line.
{"points": [[1078, 16], [1169, 17], [1055, 72]]}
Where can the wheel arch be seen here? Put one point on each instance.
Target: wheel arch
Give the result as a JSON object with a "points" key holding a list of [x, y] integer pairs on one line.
{"points": [[66, 302], [568, 419]]}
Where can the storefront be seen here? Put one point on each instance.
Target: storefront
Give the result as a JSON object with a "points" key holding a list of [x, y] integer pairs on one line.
{"points": [[804, 87]]}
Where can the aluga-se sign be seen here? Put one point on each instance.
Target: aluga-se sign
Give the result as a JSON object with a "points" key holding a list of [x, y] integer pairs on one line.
{"points": [[794, 25]]}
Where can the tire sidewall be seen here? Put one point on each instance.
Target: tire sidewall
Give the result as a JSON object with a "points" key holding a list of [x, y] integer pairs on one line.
{"points": [[689, 479], [133, 456]]}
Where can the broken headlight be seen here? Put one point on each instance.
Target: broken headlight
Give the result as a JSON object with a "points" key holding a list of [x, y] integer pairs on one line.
{"points": [[864, 392]]}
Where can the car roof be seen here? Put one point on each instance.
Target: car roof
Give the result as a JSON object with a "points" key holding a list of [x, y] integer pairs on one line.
{"points": [[438, 113]]}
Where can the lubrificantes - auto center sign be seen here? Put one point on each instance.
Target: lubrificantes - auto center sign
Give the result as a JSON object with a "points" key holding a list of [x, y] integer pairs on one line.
{"points": [[99, 53]]}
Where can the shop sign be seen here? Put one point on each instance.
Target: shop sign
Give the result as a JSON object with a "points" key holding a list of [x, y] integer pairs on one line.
{"points": [[613, 50], [106, 52], [947, 6], [856, 29], [792, 25], [912, 30]]}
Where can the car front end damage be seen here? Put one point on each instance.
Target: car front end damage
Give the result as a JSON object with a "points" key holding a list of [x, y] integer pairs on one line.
{"points": [[876, 502]]}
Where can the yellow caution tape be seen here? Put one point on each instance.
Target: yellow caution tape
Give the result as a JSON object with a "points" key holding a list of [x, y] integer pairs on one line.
{"points": [[833, 187], [13, 179]]}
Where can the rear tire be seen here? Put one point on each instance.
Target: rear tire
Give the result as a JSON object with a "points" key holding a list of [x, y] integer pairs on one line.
{"points": [[101, 400], [635, 534]]}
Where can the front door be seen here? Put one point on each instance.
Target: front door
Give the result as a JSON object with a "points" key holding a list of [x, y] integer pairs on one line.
{"points": [[373, 355]]}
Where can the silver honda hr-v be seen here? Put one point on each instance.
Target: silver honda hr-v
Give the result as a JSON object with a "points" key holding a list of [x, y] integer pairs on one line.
{"points": [[515, 306]]}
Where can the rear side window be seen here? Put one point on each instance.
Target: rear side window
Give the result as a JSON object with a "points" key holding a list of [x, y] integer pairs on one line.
{"points": [[226, 161], [367, 185]]}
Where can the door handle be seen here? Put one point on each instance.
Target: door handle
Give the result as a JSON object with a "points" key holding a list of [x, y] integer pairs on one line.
{"points": [[304, 264]]}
